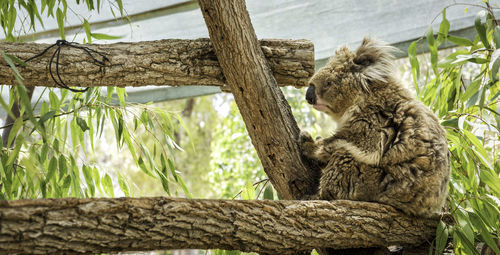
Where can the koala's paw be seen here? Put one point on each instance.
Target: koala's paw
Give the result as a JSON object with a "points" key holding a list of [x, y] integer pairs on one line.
{"points": [[304, 136], [307, 144]]}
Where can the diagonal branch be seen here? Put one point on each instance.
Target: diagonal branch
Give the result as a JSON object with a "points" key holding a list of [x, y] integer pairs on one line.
{"points": [[264, 109]]}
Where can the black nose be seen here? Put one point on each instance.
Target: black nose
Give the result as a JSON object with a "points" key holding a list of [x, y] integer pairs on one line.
{"points": [[311, 95]]}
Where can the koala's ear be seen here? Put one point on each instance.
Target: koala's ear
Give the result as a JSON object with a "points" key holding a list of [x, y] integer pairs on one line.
{"points": [[374, 60]]}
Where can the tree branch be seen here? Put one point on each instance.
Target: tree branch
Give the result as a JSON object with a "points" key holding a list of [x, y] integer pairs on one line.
{"points": [[101, 225], [265, 111], [166, 62]]}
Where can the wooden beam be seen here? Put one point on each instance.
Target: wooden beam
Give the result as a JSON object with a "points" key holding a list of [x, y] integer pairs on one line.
{"points": [[165, 62]]}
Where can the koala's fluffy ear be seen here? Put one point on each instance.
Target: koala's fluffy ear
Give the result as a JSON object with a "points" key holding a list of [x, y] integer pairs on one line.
{"points": [[374, 61]]}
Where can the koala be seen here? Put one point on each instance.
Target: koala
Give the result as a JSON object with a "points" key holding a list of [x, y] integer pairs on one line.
{"points": [[388, 147]]}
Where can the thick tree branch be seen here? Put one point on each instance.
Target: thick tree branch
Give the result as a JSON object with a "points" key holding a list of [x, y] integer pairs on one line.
{"points": [[264, 109], [166, 62], [50, 226]]}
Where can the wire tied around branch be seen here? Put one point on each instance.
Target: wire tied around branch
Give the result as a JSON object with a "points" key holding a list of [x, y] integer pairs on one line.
{"points": [[60, 44]]}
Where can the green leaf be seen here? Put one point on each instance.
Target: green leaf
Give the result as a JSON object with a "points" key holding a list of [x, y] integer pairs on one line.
{"points": [[15, 153], [248, 192], [268, 192], [97, 179], [495, 65], [110, 91], [87, 174], [460, 41], [52, 169], [469, 58], [10, 61], [47, 116], [483, 155], [82, 124], [164, 181], [232, 252], [12, 15], [107, 185], [492, 180], [130, 146], [120, 92], [7, 108], [123, 185], [18, 123], [481, 29], [415, 67], [54, 101], [120, 6], [60, 23], [470, 248], [143, 167], [63, 166], [184, 187], [483, 231], [496, 36], [472, 89], [86, 27], [441, 238], [433, 49], [16, 60], [443, 28], [66, 184], [100, 36]]}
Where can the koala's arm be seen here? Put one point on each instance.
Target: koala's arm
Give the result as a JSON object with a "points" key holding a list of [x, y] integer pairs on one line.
{"points": [[365, 139], [315, 150]]}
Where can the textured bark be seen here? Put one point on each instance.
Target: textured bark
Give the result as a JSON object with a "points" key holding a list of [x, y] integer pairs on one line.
{"points": [[72, 226], [264, 109], [165, 62]]}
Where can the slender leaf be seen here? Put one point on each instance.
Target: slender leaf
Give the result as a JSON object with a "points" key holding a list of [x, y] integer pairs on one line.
{"points": [[107, 185], [481, 29], [60, 22]]}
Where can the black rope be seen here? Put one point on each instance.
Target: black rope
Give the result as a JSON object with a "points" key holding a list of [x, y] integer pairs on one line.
{"points": [[59, 44]]}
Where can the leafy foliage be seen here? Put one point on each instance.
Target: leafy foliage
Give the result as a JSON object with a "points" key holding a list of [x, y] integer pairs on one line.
{"points": [[234, 161], [463, 90], [49, 154]]}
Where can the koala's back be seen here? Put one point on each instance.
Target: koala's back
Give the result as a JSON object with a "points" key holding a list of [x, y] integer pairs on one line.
{"points": [[417, 160], [389, 149]]}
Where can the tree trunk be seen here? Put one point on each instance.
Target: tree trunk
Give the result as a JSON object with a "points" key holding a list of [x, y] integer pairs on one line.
{"points": [[166, 62], [264, 109], [102, 225]]}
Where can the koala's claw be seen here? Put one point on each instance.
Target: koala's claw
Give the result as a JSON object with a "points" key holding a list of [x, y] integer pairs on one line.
{"points": [[305, 137], [307, 144]]}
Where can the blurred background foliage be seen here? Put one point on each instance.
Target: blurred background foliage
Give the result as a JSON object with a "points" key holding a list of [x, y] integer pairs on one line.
{"points": [[81, 145]]}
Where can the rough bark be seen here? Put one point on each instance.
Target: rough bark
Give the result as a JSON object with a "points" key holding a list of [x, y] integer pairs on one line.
{"points": [[72, 226], [264, 109], [166, 62]]}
